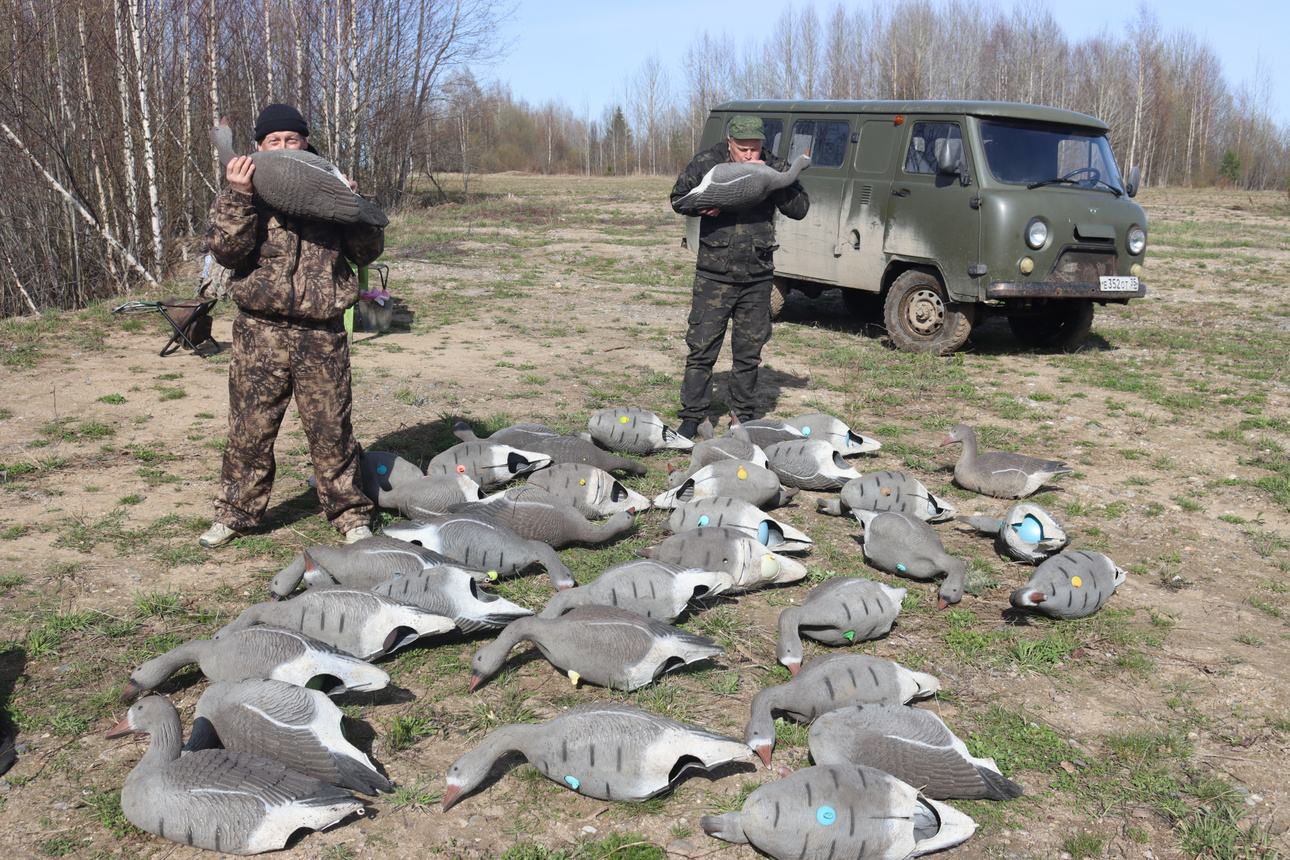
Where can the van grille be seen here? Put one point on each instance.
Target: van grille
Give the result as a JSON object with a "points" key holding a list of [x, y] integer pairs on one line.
{"points": [[1083, 266], [866, 194]]}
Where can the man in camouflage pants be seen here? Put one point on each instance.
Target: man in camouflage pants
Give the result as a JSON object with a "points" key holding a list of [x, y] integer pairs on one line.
{"points": [[733, 275], [292, 284]]}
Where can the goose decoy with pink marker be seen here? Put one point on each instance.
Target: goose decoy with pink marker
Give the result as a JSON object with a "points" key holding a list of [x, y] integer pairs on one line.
{"points": [[644, 586], [904, 545], [454, 592], [634, 431], [560, 448], [763, 432], [1027, 532], [711, 451], [1001, 474], [219, 800], [735, 186], [478, 540], [363, 564], [839, 611], [732, 479], [533, 513], [593, 491], [847, 442], [746, 562], [488, 464], [1070, 585], [810, 464], [603, 750], [888, 491]]}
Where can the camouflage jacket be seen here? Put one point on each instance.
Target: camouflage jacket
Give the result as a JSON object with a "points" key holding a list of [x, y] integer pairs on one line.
{"points": [[283, 268], [739, 246]]}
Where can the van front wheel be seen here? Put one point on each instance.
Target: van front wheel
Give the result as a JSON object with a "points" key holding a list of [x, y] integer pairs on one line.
{"points": [[920, 317], [1060, 325]]}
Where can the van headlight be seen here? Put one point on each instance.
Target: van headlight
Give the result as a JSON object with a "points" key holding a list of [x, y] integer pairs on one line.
{"points": [[1037, 233], [1136, 240]]}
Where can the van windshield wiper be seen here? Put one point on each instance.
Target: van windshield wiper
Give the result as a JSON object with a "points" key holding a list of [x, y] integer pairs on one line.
{"points": [[1054, 181], [1065, 180]]}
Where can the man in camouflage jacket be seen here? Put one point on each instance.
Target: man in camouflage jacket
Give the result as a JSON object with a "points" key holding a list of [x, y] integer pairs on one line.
{"points": [[733, 275], [292, 284]]}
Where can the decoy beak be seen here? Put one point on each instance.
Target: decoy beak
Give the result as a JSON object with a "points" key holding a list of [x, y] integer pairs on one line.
{"points": [[948, 441], [131, 690], [793, 667], [941, 603], [475, 680], [1038, 598], [450, 796], [122, 728], [763, 752]]}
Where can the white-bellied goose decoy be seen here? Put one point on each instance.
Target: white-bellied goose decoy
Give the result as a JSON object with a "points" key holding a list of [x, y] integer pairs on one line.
{"points": [[748, 563], [1001, 474], [478, 540], [634, 431], [710, 451], [810, 464], [453, 591], [363, 564], [732, 479], [742, 516], [559, 447], [888, 491], [847, 442], [488, 464], [734, 186], [1027, 532], [593, 491], [644, 586]]}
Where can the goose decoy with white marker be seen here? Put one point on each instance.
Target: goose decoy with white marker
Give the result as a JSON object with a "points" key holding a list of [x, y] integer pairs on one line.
{"points": [[732, 479], [904, 545], [488, 464], [603, 750], [602, 645], [263, 652], [888, 491], [1027, 532], [838, 611], [363, 564], [294, 726], [1070, 585], [644, 586], [560, 448], [302, 183], [634, 431], [454, 592], [534, 513], [827, 683], [1001, 474], [742, 516], [711, 451], [810, 464], [911, 744], [220, 800], [763, 432], [478, 540], [735, 186], [748, 563], [593, 491], [357, 621], [847, 442], [832, 811]]}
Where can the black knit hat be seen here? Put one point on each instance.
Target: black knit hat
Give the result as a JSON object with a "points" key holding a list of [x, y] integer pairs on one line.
{"points": [[277, 117]]}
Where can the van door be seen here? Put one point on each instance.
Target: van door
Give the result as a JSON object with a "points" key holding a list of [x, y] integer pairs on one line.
{"points": [[806, 246], [860, 260]]}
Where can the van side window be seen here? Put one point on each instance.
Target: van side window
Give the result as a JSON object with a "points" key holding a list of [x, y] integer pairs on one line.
{"points": [[825, 140], [934, 147], [774, 129]]}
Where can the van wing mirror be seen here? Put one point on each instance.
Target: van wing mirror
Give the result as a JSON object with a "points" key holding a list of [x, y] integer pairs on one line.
{"points": [[1131, 186], [949, 159]]}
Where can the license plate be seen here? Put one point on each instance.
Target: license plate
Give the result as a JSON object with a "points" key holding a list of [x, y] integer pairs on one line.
{"points": [[1119, 283]]}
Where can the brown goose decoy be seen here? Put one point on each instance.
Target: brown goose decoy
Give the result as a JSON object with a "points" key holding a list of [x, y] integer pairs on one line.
{"points": [[736, 186], [1001, 474]]}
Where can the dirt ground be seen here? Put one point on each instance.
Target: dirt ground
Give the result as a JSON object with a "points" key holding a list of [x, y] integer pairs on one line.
{"points": [[550, 319]]}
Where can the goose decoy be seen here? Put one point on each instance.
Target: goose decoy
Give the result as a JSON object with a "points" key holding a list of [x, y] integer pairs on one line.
{"points": [[363, 564], [602, 645], [302, 183], [763, 432], [358, 622], [560, 448], [809, 464], [1070, 585], [644, 586], [1027, 532], [904, 545], [710, 451], [263, 652], [602, 750], [827, 683], [847, 442], [454, 592], [888, 491], [747, 563], [478, 540], [736, 186], [220, 800], [381, 472], [832, 811], [733, 479], [1000, 474], [839, 611], [634, 431], [911, 744], [295, 727], [593, 491], [741, 516], [535, 514], [486, 463]]}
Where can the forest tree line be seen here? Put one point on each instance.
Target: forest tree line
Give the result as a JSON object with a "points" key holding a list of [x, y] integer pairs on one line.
{"points": [[105, 107]]}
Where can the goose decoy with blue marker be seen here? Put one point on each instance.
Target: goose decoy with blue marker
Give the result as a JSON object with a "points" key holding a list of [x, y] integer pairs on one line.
{"points": [[839, 611], [454, 592], [763, 432], [534, 513], [1001, 474], [219, 800], [904, 545], [593, 491], [488, 464], [748, 563], [1027, 532], [363, 564], [560, 448], [381, 472], [888, 491], [742, 516], [603, 750], [847, 442], [810, 464], [732, 479], [634, 431], [1070, 585], [735, 186], [478, 540], [644, 586]]}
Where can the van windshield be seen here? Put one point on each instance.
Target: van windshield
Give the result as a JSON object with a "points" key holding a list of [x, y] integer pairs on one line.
{"points": [[1035, 156]]}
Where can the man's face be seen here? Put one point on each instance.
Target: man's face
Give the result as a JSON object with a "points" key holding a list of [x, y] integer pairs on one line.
{"points": [[284, 140], [744, 151]]}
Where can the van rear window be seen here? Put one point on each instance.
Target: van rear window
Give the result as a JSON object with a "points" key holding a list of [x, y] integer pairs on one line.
{"points": [[774, 131], [825, 140]]}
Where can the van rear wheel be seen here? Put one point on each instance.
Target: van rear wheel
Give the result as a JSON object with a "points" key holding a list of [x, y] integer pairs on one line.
{"points": [[921, 318], [1058, 325], [779, 290]]}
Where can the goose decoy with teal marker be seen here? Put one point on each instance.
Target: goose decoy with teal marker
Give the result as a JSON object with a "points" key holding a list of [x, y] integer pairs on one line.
{"points": [[603, 750], [731, 479], [593, 491], [911, 744], [710, 451], [904, 545], [829, 812], [478, 540], [363, 564], [218, 799], [1026, 532], [644, 586], [634, 431], [380, 472], [1001, 474], [746, 563], [534, 513], [847, 442], [888, 491], [810, 464], [560, 448], [735, 186], [742, 516], [1070, 585], [488, 464], [454, 592], [763, 432], [839, 611]]}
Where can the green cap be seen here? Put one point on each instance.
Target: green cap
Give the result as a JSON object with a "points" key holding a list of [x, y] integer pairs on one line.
{"points": [[746, 128]]}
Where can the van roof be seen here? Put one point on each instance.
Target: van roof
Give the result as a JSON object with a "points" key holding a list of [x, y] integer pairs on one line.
{"points": [[999, 110]]}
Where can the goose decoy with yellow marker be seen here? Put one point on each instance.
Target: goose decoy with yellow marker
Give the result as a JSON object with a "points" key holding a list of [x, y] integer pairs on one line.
{"points": [[603, 750], [488, 464], [831, 811], [593, 491], [734, 186], [634, 431], [454, 592], [742, 516], [478, 540], [711, 451], [746, 562], [1001, 474], [363, 564], [847, 442], [904, 545], [1070, 585], [732, 479], [644, 586], [534, 513], [1027, 532], [810, 464], [888, 491], [911, 744], [559, 447], [839, 611]]}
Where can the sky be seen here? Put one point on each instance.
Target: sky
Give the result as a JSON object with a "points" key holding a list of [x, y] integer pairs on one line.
{"points": [[583, 53]]}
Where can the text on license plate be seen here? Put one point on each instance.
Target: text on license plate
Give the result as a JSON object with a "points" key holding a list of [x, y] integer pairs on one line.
{"points": [[1119, 284]]}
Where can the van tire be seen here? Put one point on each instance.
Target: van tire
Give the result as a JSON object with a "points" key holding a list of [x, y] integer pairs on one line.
{"points": [[1062, 325], [920, 317], [862, 304], [779, 290]]}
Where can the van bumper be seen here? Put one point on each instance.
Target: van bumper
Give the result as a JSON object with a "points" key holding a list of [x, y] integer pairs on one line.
{"points": [[1001, 290]]}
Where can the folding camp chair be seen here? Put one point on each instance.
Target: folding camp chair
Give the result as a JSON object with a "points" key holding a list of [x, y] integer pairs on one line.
{"points": [[190, 319]]}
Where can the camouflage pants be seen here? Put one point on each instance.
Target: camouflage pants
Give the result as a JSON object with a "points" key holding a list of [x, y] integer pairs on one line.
{"points": [[270, 364], [714, 305]]}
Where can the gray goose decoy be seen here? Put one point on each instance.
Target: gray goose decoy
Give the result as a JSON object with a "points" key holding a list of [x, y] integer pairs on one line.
{"points": [[742, 516], [847, 442], [592, 490], [363, 564], [733, 479], [602, 645], [888, 491], [302, 184], [735, 186], [839, 611], [294, 726], [644, 586], [488, 464], [827, 683], [1070, 585], [393, 482], [1001, 474], [560, 448], [380, 472], [744, 561], [904, 545], [1027, 532], [832, 811], [809, 464], [634, 431], [263, 652], [764, 432], [533, 513], [710, 451], [220, 800], [602, 750], [911, 744], [454, 592], [478, 540]]}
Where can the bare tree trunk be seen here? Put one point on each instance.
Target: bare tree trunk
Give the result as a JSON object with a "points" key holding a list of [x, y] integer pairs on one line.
{"points": [[104, 208], [351, 136], [127, 125], [268, 51], [149, 156]]}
